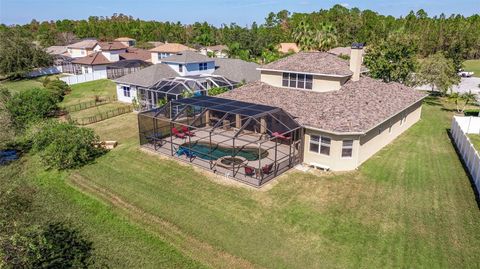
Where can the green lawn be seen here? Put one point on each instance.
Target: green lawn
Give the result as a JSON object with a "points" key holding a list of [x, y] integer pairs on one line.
{"points": [[87, 91], [96, 110], [472, 66], [411, 205], [475, 138], [24, 84]]}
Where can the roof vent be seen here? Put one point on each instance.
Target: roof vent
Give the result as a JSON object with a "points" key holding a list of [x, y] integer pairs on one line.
{"points": [[358, 45]]}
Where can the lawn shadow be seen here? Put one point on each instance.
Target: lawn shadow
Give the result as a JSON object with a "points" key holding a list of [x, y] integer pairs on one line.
{"points": [[470, 177]]}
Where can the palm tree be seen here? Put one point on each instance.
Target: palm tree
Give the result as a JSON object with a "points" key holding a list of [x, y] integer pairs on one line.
{"points": [[303, 35], [326, 37]]}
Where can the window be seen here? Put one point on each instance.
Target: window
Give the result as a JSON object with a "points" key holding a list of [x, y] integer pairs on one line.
{"points": [[299, 81], [85, 70], [320, 144], [347, 148], [180, 68], [202, 66], [126, 91]]}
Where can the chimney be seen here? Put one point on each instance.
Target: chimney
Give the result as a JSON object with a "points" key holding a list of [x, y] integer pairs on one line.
{"points": [[356, 54]]}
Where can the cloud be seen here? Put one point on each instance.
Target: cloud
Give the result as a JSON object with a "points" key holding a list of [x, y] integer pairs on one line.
{"points": [[345, 5]]}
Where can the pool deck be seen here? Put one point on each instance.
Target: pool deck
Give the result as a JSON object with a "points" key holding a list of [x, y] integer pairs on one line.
{"points": [[283, 163]]}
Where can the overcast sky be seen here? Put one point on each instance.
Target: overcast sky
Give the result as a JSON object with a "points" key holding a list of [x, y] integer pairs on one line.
{"points": [[213, 11]]}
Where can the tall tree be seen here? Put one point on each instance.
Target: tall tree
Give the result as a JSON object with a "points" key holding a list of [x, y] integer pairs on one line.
{"points": [[438, 72], [392, 60], [19, 55]]}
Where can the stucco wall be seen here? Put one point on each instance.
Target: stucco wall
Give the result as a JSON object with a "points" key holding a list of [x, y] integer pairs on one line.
{"points": [[334, 161], [382, 135], [125, 99], [320, 83], [364, 146]]}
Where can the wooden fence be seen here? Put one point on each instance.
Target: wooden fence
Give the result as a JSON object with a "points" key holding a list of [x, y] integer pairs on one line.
{"points": [[103, 115], [88, 104], [461, 127]]}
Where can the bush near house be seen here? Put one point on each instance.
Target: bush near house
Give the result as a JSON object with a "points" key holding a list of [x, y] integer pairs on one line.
{"points": [[65, 146], [471, 112], [31, 105], [216, 91]]}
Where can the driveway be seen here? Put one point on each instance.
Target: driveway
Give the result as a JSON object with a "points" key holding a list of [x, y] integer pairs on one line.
{"points": [[465, 85]]}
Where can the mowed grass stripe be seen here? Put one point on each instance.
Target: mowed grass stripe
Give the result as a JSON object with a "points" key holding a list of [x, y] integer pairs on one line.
{"points": [[410, 205]]}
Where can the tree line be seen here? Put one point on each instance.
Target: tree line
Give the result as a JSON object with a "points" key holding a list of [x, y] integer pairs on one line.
{"points": [[455, 35]]}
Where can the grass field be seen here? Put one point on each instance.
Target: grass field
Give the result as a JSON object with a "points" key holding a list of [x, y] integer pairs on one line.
{"points": [[87, 91], [472, 66], [96, 110], [475, 138], [411, 205], [24, 84]]}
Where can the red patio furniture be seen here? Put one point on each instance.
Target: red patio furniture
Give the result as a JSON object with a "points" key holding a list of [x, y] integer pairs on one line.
{"points": [[249, 171], [280, 136], [187, 132], [177, 133], [267, 169]]}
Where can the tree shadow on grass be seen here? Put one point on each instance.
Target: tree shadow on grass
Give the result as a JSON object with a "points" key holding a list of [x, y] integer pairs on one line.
{"points": [[470, 177]]}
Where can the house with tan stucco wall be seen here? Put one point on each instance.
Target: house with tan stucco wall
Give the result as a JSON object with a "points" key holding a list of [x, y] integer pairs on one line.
{"points": [[347, 116]]}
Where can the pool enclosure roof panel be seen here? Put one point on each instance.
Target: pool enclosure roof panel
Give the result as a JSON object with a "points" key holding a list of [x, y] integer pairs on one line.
{"points": [[227, 105]]}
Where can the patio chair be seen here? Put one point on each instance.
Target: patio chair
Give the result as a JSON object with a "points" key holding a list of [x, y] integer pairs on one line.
{"points": [[280, 136], [249, 171], [187, 132], [267, 169], [177, 133]]}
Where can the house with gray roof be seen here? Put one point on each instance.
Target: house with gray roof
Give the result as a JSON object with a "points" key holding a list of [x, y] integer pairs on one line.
{"points": [[180, 73]]}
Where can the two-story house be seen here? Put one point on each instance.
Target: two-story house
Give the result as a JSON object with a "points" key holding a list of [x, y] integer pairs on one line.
{"points": [[346, 116], [180, 73], [82, 48], [167, 49]]}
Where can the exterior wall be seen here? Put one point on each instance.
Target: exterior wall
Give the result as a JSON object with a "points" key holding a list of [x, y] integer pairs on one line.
{"points": [[320, 83], [126, 99], [113, 55], [155, 55], [192, 69], [334, 161], [77, 53], [382, 135], [364, 146]]}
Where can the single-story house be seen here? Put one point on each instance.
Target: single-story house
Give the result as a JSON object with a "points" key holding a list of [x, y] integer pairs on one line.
{"points": [[219, 51], [288, 48]]}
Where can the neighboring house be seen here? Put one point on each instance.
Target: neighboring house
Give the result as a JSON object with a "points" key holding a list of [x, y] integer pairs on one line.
{"points": [[182, 72], [111, 50], [237, 70], [82, 48], [288, 48], [219, 51], [95, 63], [346, 117], [136, 54], [61, 57], [127, 41], [165, 50]]}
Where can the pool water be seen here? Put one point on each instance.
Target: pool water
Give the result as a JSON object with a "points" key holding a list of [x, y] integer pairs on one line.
{"points": [[7, 156], [202, 150]]}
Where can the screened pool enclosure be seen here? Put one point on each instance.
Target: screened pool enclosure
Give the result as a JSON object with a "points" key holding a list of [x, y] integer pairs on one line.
{"points": [[249, 142], [178, 87]]}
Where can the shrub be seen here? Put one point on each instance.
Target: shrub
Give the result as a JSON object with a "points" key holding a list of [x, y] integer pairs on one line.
{"points": [[471, 112], [216, 91], [58, 87], [31, 105], [64, 145]]}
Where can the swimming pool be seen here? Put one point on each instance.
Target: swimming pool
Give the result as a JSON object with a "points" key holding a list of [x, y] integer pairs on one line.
{"points": [[202, 150]]}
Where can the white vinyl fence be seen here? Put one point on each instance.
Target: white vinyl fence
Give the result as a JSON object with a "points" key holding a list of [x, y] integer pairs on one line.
{"points": [[461, 126], [74, 79]]}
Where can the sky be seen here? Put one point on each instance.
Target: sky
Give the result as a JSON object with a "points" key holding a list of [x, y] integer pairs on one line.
{"points": [[215, 12]]}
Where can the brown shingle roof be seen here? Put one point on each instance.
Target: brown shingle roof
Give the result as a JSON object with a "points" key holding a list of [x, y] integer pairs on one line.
{"points": [[357, 107], [136, 54], [171, 48], [312, 62], [84, 44], [124, 39], [115, 45], [96, 58]]}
